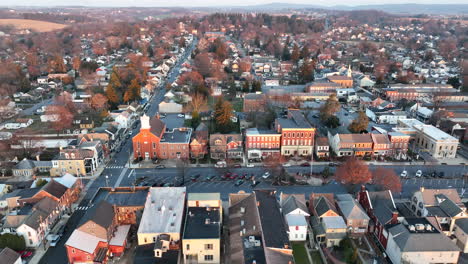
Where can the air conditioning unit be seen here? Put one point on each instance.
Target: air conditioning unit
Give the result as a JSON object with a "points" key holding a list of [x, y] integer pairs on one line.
{"points": [[251, 239], [257, 243]]}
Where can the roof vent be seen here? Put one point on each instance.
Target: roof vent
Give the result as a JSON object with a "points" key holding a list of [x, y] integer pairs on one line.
{"points": [[242, 210], [207, 221], [428, 227], [412, 228]]}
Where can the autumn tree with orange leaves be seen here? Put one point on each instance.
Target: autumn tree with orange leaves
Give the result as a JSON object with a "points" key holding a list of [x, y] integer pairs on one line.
{"points": [[387, 179], [353, 171], [64, 118]]}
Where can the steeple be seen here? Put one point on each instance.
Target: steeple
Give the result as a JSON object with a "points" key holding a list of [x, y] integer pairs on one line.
{"points": [[145, 122], [349, 71]]}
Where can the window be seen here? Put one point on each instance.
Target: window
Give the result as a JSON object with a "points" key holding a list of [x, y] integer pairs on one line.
{"points": [[154, 145], [188, 247], [208, 246], [154, 239], [30, 242], [88, 257], [208, 257], [73, 250]]}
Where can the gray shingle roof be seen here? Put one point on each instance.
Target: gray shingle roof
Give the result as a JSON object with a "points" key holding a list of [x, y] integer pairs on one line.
{"points": [[291, 203], [450, 208], [463, 224]]}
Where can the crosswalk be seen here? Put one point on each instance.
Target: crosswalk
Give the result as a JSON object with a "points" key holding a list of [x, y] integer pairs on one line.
{"points": [[82, 208], [115, 167]]}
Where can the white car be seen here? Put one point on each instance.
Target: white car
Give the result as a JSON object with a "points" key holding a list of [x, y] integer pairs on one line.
{"points": [[266, 175], [180, 115], [419, 173], [286, 165], [250, 165], [404, 174], [54, 239]]}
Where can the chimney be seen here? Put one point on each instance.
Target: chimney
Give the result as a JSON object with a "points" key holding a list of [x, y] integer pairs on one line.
{"points": [[422, 189], [394, 217], [363, 188], [38, 158]]}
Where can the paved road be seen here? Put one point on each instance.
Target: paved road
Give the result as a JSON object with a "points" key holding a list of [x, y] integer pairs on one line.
{"points": [[32, 109], [115, 172]]}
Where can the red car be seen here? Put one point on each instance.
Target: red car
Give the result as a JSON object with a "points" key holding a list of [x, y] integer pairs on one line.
{"points": [[233, 176], [305, 164], [243, 176], [25, 254]]}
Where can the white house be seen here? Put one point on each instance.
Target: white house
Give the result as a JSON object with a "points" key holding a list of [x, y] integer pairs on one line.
{"points": [[170, 107], [297, 227], [295, 213], [123, 119]]}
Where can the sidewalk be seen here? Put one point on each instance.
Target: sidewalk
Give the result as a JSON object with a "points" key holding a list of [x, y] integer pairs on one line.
{"points": [[41, 250]]}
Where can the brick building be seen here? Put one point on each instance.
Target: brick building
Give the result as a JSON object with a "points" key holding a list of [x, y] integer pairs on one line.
{"points": [[344, 81], [351, 144], [254, 102], [155, 141], [224, 146], [262, 143], [297, 135]]}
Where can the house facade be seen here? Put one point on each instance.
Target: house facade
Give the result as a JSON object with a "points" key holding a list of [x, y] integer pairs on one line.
{"points": [[358, 145], [260, 144], [226, 146], [297, 135]]}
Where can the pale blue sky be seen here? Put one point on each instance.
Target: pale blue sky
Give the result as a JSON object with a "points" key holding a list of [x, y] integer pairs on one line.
{"points": [[185, 3]]}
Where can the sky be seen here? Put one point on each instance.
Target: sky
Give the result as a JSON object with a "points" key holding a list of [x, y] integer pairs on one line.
{"points": [[188, 3]]}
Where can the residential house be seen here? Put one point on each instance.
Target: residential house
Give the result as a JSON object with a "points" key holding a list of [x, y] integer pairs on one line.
{"points": [[37, 225], [357, 221], [9, 256], [199, 143], [257, 229], [29, 168], [162, 217], [201, 241], [381, 209], [297, 135], [358, 145], [296, 214], [19, 123], [322, 148], [381, 143], [416, 240], [443, 204], [260, 144], [124, 118], [226, 146], [85, 122]]}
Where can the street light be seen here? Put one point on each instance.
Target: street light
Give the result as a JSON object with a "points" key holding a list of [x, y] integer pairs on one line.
{"points": [[107, 181]]}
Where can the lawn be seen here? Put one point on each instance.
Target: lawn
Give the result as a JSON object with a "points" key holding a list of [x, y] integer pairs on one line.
{"points": [[300, 253], [316, 259]]}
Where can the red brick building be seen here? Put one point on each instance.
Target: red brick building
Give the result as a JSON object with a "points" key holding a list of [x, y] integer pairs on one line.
{"points": [[399, 144], [262, 143], [297, 135], [153, 141]]}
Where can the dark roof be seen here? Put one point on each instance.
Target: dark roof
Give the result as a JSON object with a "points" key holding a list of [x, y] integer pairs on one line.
{"points": [[144, 254], [323, 205], [273, 225], [197, 225], [100, 255], [102, 214], [463, 224], [295, 119], [9, 256], [55, 189], [252, 252], [450, 208], [157, 126], [28, 193], [127, 198], [291, 203]]}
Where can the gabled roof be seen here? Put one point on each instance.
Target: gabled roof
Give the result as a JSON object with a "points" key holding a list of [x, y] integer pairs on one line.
{"points": [[9, 256], [429, 196], [101, 214], [322, 205], [293, 202], [83, 241], [55, 189], [157, 126], [450, 208], [350, 208]]}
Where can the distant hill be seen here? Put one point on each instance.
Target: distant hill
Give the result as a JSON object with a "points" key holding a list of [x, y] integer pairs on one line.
{"points": [[35, 25], [390, 8]]}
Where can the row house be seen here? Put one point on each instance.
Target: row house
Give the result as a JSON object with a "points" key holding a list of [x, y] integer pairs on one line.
{"points": [[76, 161], [97, 237], [260, 144], [226, 146], [381, 144], [357, 220], [351, 144], [297, 135], [201, 240], [256, 225], [199, 142], [322, 147], [381, 209], [399, 143]]}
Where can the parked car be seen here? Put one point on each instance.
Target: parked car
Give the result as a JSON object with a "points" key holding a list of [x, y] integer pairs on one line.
{"points": [[418, 173], [195, 177], [25, 254], [305, 164], [237, 166], [404, 174], [209, 177], [266, 175], [333, 164], [286, 165], [160, 167], [54, 239], [239, 182], [250, 165], [233, 176], [243, 176], [181, 115], [168, 185]]}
